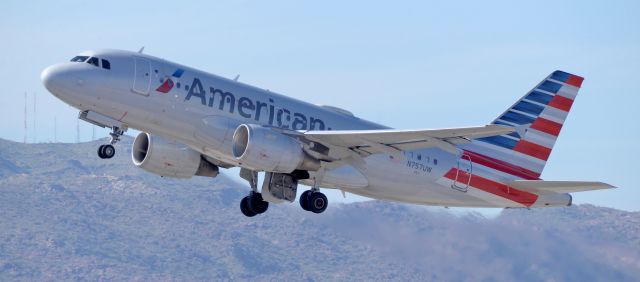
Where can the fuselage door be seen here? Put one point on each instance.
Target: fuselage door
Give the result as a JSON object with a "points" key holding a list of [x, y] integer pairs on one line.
{"points": [[141, 76], [463, 174]]}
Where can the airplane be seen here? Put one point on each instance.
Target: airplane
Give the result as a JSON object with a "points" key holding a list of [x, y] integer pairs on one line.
{"points": [[193, 123]]}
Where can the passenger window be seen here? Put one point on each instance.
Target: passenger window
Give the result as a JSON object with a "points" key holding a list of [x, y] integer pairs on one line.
{"points": [[94, 61], [106, 65], [79, 58]]}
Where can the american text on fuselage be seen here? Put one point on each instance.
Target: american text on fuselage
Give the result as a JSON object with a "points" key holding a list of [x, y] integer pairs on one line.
{"points": [[194, 123]]}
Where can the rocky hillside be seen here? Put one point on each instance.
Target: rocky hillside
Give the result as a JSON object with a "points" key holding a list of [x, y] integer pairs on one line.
{"points": [[65, 214]]}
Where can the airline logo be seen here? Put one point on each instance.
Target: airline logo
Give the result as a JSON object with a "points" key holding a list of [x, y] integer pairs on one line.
{"points": [[539, 116], [169, 82]]}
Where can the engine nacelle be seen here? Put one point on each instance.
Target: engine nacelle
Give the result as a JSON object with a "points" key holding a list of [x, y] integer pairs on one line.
{"points": [[167, 158], [263, 149]]}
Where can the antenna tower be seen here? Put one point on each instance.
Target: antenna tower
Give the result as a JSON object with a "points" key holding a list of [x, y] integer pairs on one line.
{"points": [[25, 118]]}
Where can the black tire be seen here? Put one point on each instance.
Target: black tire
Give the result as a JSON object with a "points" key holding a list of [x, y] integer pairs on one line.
{"points": [[257, 204], [244, 207], [317, 202], [108, 151], [304, 200], [100, 153]]}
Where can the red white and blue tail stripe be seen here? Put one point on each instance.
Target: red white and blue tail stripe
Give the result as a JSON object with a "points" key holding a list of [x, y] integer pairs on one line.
{"points": [[495, 161], [538, 118]]}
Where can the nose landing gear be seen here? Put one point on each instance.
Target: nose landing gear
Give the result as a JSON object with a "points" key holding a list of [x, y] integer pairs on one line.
{"points": [[107, 151], [118, 128]]}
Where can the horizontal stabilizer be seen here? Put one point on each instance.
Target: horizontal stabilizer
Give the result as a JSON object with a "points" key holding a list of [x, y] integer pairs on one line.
{"points": [[542, 186]]}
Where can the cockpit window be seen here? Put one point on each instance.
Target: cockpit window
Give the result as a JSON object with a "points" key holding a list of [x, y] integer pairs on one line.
{"points": [[106, 65], [94, 61], [79, 58]]}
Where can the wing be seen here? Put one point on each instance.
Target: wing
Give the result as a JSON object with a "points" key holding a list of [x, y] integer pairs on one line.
{"points": [[543, 186], [393, 142]]}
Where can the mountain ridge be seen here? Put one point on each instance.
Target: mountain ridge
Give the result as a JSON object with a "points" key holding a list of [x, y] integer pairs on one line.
{"points": [[68, 215]]}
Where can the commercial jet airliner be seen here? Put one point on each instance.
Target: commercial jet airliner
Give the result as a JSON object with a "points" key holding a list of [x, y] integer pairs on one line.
{"points": [[194, 123]]}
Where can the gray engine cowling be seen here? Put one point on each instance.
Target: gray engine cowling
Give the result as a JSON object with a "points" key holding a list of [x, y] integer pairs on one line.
{"points": [[263, 149], [168, 158]]}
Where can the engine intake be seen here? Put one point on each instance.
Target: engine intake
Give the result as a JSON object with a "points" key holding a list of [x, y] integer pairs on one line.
{"points": [[263, 149], [167, 158]]}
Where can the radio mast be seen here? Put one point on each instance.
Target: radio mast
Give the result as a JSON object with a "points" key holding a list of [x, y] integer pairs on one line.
{"points": [[25, 118], [34, 117]]}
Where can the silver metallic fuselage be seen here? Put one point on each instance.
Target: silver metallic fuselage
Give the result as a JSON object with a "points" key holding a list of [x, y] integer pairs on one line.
{"points": [[187, 119]]}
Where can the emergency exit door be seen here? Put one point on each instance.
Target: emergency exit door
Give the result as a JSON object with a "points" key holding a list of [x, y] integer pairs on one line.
{"points": [[463, 174], [141, 76]]}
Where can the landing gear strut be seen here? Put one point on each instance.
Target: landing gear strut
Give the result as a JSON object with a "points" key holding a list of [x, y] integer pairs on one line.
{"points": [[107, 151]]}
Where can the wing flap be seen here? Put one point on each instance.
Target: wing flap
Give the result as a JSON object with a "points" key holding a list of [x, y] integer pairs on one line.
{"points": [[543, 186]]}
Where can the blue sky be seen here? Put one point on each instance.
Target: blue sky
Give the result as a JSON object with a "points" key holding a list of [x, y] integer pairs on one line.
{"points": [[407, 65]]}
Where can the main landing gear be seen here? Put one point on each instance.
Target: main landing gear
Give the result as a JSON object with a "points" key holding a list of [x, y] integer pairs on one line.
{"points": [[107, 151], [279, 188], [253, 204], [313, 201]]}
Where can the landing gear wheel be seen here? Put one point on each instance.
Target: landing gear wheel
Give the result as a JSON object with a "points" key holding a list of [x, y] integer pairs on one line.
{"points": [[108, 151], [257, 204], [317, 202], [253, 204], [244, 207], [100, 153], [304, 200]]}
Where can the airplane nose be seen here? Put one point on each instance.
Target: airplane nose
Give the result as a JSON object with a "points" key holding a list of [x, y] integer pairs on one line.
{"points": [[52, 78]]}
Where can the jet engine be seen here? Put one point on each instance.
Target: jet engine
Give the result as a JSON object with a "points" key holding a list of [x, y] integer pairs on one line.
{"points": [[263, 149], [167, 158]]}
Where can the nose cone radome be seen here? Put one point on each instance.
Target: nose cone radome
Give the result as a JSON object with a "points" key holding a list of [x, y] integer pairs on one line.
{"points": [[52, 78]]}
